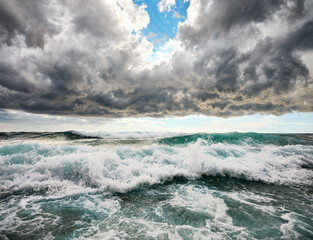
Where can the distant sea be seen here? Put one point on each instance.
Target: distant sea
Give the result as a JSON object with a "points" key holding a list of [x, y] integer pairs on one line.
{"points": [[139, 185]]}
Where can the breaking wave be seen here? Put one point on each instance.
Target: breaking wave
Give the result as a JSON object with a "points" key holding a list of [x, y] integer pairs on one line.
{"points": [[80, 185], [70, 169]]}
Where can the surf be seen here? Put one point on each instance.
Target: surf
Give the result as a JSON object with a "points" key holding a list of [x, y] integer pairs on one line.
{"points": [[168, 185]]}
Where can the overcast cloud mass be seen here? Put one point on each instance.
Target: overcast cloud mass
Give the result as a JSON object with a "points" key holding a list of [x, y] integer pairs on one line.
{"points": [[76, 57]]}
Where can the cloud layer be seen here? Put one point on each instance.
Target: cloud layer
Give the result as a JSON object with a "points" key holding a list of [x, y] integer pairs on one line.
{"points": [[233, 58]]}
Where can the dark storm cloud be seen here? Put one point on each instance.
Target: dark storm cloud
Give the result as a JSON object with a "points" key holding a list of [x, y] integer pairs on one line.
{"points": [[27, 18], [216, 18], [301, 39], [77, 58], [11, 79], [10, 21], [281, 66], [280, 71], [65, 77]]}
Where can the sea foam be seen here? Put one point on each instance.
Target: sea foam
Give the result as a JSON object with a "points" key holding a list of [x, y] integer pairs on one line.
{"points": [[219, 186], [81, 168]]}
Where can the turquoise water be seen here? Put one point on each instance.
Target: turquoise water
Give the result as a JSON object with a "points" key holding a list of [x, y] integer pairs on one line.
{"points": [[79, 185]]}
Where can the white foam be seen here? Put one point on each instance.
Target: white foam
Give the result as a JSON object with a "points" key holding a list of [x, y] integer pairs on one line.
{"points": [[127, 135], [74, 169], [62, 170], [287, 228], [197, 200]]}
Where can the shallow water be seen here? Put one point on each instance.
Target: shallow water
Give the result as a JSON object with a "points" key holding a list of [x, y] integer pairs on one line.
{"points": [[75, 185]]}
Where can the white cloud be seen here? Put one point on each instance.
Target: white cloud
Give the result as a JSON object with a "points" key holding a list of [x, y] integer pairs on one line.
{"points": [[177, 15], [151, 35], [134, 17], [164, 53], [166, 5]]}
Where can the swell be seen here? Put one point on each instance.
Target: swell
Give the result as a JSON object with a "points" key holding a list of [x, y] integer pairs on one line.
{"points": [[242, 138], [98, 138], [67, 135]]}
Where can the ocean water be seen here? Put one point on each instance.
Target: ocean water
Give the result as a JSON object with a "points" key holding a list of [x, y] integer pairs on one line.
{"points": [[79, 185]]}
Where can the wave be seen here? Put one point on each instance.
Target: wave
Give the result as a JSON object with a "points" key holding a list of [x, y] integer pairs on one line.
{"points": [[78, 135], [67, 135], [168, 138], [242, 138], [129, 135], [67, 170]]}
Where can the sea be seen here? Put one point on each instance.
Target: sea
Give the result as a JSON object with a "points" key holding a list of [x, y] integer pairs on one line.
{"points": [[142, 185]]}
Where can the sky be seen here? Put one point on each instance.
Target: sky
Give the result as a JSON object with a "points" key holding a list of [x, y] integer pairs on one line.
{"points": [[157, 65]]}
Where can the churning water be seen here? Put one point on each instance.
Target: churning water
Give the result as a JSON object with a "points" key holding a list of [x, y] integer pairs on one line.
{"points": [[72, 185]]}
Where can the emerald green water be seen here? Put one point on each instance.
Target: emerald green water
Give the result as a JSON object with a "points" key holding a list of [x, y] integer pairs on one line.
{"points": [[73, 185]]}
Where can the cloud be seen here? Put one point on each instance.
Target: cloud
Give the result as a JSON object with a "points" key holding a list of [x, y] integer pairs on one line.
{"points": [[229, 54], [231, 58], [166, 5], [177, 15], [151, 35]]}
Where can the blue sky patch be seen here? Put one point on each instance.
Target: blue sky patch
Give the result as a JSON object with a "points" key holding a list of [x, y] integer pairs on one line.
{"points": [[163, 25]]}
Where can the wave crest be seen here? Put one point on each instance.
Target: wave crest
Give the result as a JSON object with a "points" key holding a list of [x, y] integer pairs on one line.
{"points": [[73, 169]]}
